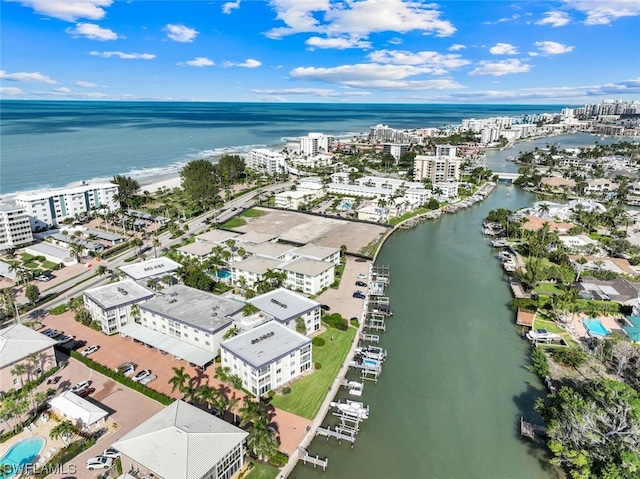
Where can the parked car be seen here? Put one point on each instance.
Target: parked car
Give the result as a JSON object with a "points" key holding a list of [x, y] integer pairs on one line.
{"points": [[77, 344], [361, 276], [361, 283], [53, 333], [359, 295], [65, 339], [86, 392], [44, 277], [90, 350], [127, 369], [99, 462], [141, 375], [111, 452], [81, 386], [325, 307], [148, 379]]}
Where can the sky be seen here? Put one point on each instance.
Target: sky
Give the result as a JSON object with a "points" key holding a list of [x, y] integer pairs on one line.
{"points": [[355, 51]]}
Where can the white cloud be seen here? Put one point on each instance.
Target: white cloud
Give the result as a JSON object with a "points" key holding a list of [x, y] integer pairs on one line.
{"points": [[553, 48], [554, 18], [85, 84], [503, 49], [395, 41], [124, 56], [457, 47], [180, 33], [92, 32], [319, 92], [27, 77], [249, 63], [357, 18], [7, 91], [230, 6], [504, 67], [605, 12], [438, 62], [198, 62], [338, 43], [512, 18], [68, 10], [372, 75]]}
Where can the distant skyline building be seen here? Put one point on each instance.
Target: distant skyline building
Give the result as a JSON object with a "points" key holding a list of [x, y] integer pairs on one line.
{"points": [[51, 207], [437, 169]]}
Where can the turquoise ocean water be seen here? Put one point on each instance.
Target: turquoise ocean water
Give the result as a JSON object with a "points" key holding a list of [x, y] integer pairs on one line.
{"points": [[54, 143]]}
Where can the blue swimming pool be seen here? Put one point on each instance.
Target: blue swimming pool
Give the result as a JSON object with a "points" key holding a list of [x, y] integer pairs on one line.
{"points": [[20, 454], [223, 274], [346, 206], [595, 327]]}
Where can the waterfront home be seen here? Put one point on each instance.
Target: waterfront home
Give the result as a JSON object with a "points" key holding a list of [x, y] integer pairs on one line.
{"points": [[615, 265], [267, 357], [535, 223], [579, 244], [183, 442], [558, 183], [601, 187], [110, 305], [17, 344], [619, 290]]}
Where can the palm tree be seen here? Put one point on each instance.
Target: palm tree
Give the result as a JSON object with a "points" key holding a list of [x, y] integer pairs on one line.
{"points": [[65, 431], [180, 379], [156, 244], [76, 250], [101, 270], [20, 370], [262, 442], [208, 396]]}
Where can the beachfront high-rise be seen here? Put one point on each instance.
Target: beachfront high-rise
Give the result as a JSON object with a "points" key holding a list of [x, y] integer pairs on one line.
{"points": [[48, 208], [14, 226], [315, 143], [267, 162]]}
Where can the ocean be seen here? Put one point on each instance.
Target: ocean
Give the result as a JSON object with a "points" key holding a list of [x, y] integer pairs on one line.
{"points": [[49, 144]]}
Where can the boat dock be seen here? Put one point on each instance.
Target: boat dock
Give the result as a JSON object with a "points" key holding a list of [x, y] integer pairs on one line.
{"points": [[376, 323], [528, 429], [340, 436], [316, 461], [371, 338], [354, 387]]}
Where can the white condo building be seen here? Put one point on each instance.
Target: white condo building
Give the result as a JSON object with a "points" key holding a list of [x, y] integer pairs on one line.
{"points": [[437, 169], [15, 229], [267, 357], [315, 143], [51, 207], [267, 162]]}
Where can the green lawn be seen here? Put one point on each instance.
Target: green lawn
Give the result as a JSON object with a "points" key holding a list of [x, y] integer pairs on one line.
{"points": [[26, 257], [234, 223], [548, 288], [261, 471], [308, 393], [549, 326], [253, 213], [49, 264], [31, 265]]}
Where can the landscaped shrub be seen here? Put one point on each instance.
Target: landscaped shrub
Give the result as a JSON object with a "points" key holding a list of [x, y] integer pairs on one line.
{"points": [[539, 363], [336, 321], [66, 454], [318, 341], [317, 365], [279, 459], [61, 308], [569, 357], [355, 323], [286, 390]]}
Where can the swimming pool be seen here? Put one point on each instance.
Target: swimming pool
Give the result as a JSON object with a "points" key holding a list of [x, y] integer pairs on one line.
{"points": [[20, 454], [346, 206], [223, 274], [595, 327]]}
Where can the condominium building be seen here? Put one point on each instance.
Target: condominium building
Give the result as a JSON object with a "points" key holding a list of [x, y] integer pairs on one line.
{"points": [[287, 306], [315, 143], [51, 207], [110, 305], [267, 162], [437, 169], [308, 275], [267, 357], [15, 229]]}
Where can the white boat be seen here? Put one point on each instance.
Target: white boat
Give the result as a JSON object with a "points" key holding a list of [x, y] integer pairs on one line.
{"points": [[542, 336], [372, 352], [355, 388], [352, 408]]}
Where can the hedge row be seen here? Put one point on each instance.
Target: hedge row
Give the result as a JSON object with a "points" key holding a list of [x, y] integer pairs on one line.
{"points": [[115, 249], [130, 383]]}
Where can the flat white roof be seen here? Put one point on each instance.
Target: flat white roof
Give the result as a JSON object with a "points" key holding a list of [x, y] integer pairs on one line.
{"points": [[306, 266], [257, 265], [199, 248], [150, 267], [216, 236], [181, 442], [113, 295], [42, 194], [255, 237], [317, 251], [272, 250], [18, 341], [265, 343], [284, 304]]}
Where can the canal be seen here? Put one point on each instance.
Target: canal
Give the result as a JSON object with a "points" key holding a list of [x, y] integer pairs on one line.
{"points": [[454, 386]]}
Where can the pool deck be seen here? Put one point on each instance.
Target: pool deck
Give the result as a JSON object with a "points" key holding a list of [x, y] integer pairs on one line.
{"points": [[578, 328]]}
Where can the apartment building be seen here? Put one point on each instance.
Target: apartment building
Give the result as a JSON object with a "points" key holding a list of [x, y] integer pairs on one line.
{"points": [[110, 305], [287, 306], [267, 162], [315, 143], [308, 275], [15, 229], [50, 207], [437, 169], [267, 357]]}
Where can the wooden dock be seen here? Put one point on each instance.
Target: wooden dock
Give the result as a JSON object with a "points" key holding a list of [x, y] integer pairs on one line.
{"points": [[340, 436], [528, 429], [316, 461], [375, 324], [372, 338]]}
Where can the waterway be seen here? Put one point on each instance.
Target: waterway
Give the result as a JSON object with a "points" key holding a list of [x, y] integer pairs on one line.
{"points": [[455, 384]]}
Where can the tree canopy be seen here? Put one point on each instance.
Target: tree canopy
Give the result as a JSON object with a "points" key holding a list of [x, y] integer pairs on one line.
{"points": [[127, 189], [200, 183], [229, 169], [594, 429]]}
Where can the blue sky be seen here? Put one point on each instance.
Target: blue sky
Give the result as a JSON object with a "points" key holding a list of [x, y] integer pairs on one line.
{"points": [[373, 51]]}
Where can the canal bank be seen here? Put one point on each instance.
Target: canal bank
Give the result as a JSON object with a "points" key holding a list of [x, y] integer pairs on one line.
{"points": [[454, 384]]}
